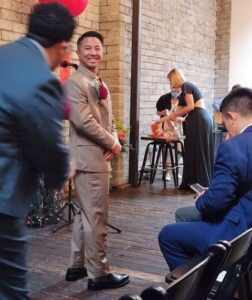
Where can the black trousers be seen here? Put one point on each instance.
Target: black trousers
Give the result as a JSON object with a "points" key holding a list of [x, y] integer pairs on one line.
{"points": [[13, 271]]}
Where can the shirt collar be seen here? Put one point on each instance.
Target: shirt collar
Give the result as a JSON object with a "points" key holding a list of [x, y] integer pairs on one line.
{"points": [[43, 52], [87, 72], [245, 127]]}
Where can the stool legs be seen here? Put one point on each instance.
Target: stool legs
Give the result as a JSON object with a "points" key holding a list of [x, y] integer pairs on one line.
{"points": [[153, 162], [143, 164], [177, 159], [160, 149], [173, 165], [164, 161], [164, 148], [151, 167]]}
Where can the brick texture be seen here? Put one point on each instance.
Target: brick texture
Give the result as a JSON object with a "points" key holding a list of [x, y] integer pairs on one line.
{"points": [[222, 49], [191, 34], [115, 25], [177, 34]]}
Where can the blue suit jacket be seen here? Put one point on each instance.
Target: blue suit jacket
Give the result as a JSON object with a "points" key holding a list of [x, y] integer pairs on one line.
{"points": [[30, 128], [227, 204]]}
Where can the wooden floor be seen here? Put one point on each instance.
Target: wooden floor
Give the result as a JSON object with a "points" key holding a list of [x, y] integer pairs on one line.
{"points": [[140, 213]]}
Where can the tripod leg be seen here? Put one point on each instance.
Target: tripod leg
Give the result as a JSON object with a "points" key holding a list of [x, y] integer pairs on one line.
{"points": [[61, 226], [71, 209], [115, 228]]}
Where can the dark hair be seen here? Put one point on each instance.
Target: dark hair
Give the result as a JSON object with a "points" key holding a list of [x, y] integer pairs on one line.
{"points": [[50, 23], [96, 34], [238, 100], [236, 86]]}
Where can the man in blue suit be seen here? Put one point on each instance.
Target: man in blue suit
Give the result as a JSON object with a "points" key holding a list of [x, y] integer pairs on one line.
{"points": [[31, 141], [224, 210]]}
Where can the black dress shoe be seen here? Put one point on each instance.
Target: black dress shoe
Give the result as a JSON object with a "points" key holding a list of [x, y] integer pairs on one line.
{"points": [[109, 281], [74, 274]]}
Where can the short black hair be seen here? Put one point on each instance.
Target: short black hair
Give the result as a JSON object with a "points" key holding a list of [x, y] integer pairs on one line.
{"points": [[96, 34], [238, 100], [50, 23], [236, 86]]}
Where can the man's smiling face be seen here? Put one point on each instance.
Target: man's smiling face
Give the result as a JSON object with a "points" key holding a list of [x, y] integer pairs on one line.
{"points": [[90, 53]]}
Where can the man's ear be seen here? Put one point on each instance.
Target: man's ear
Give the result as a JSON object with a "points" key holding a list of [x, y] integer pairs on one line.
{"points": [[63, 47], [231, 115]]}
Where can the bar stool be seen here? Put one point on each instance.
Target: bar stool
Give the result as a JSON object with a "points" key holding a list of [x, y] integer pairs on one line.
{"points": [[149, 168], [164, 150], [160, 149], [179, 149], [170, 148]]}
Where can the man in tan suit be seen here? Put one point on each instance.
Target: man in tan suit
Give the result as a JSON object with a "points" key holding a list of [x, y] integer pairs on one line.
{"points": [[93, 143]]}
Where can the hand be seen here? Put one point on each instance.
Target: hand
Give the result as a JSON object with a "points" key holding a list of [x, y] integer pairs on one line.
{"points": [[198, 194], [117, 149], [163, 119], [108, 155], [184, 118], [72, 169], [180, 119], [173, 117], [164, 112], [158, 121]]}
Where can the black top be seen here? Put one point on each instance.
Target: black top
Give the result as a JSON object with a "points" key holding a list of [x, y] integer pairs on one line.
{"points": [[164, 102], [190, 88]]}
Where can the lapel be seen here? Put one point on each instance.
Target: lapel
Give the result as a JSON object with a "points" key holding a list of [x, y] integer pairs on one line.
{"points": [[102, 108], [87, 72], [94, 84]]}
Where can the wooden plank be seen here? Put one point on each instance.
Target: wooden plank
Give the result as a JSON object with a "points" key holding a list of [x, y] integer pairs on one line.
{"points": [[140, 213]]}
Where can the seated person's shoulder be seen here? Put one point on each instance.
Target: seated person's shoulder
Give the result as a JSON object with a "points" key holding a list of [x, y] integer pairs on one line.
{"points": [[164, 102], [165, 96]]}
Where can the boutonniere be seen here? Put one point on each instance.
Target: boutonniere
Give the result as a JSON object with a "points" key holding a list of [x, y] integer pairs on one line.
{"points": [[101, 90]]}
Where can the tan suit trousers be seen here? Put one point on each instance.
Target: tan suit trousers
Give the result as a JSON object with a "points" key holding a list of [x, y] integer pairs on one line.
{"points": [[89, 236]]}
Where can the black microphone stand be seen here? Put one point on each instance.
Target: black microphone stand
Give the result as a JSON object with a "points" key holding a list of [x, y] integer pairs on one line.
{"points": [[115, 228], [72, 209], [65, 64]]}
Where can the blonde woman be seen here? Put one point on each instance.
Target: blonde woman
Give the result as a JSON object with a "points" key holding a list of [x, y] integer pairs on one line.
{"points": [[166, 105], [199, 146]]}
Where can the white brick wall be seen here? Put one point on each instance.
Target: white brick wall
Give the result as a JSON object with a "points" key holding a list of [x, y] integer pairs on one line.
{"points": [[177, 34], [222, 47], [189, 34]]}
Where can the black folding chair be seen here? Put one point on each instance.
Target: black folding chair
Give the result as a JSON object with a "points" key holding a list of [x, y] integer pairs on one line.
{"points": [[236, 270], [194, 280], [130, 297], [157, 293]]}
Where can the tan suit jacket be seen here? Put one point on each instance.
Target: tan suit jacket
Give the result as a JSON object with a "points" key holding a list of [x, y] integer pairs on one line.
{"points": [[90, 122]]}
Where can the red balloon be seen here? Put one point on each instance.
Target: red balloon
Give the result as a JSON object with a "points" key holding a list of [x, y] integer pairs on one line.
{"points": [[76, 7]]}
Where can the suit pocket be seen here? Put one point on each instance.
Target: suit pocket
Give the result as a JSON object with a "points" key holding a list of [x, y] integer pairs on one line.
{"points": [[234, 217]]}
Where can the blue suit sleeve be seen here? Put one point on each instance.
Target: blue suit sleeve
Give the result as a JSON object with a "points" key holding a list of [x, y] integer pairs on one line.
{"points": [[39, 127], [221, 195]]}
